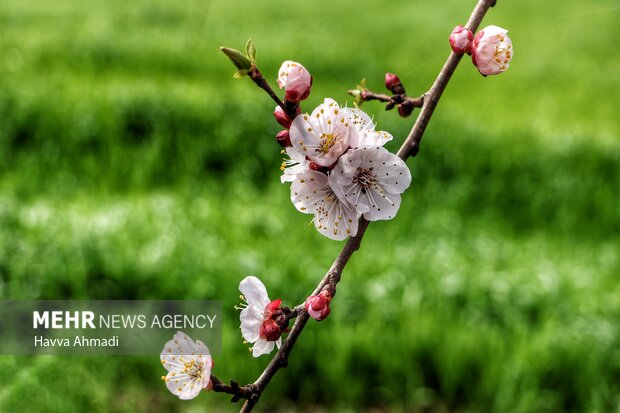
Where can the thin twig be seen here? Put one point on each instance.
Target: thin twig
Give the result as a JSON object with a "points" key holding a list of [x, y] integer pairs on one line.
{"points": [[258, 78], [409, 148], [332, 277], [367, 95], [238, 392]]}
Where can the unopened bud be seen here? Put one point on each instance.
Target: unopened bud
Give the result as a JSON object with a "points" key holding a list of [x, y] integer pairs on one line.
{"points": [[282, 118], [391, 80], [461, 40], [318, 305], [284, 138], [405, 108], [393, 83], [241, 61], [295, 80]]}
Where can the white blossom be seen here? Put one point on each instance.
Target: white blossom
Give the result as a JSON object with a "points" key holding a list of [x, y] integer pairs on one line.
{"points": [[323, 135], [333, 217], [188, 364], [255, 311], [371, 179]]}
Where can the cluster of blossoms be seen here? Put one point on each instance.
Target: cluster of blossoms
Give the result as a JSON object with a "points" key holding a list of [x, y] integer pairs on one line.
{"points": [[339, 172], [336, 162], [490, 49]]}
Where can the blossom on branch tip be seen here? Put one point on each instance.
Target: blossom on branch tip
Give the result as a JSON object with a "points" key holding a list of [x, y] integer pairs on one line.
{"points": [[492, 50], [295, 80], [460, 40], [334, 218], [258, 317], [323, 135], [318, 305], [371, 179], [189, 366]]}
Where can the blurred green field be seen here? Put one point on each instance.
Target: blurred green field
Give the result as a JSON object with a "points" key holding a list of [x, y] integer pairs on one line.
{"points": [[132, 166]]}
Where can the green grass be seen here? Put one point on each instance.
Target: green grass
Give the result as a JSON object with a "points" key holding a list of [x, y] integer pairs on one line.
{"points": [[132, 166]]}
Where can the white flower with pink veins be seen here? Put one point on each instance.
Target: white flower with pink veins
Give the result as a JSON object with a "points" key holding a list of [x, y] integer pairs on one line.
{"points": [[365, 127], [334, 218], [323, 135], [189, 366], [371, 179]]}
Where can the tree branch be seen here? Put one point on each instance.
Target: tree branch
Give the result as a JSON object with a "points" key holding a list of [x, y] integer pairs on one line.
{"points": [[238, 392], [252, 392], [368, 95], [412, 143], [258, 78]]}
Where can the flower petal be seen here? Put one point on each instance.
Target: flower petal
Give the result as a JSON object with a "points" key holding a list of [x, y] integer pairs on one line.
{"points": [[392, 172], [183, 386], [172, 355], [365, 127], [251, 320], [254, 292], [335, 219], [308, 190], [382, 206], [262, 346]]}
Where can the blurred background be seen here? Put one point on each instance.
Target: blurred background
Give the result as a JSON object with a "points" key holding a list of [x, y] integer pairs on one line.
{"points": [[133, 166]]}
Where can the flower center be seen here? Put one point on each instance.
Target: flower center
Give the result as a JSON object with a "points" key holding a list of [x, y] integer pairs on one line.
{"points": [[502, 53], [327, 141], [365, 178], [193, 369]]}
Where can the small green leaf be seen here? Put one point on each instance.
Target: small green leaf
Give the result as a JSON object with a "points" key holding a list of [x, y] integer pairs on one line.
{"points": [[239, 74], [240, 61], [250, 51]]}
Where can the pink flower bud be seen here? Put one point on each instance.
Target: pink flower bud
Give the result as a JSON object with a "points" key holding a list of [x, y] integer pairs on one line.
{"points": [[393, 83], [295, 80], [492, 50], [391, 80], [282, 118], [318, 305], [460, 40], [284, 139]]}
